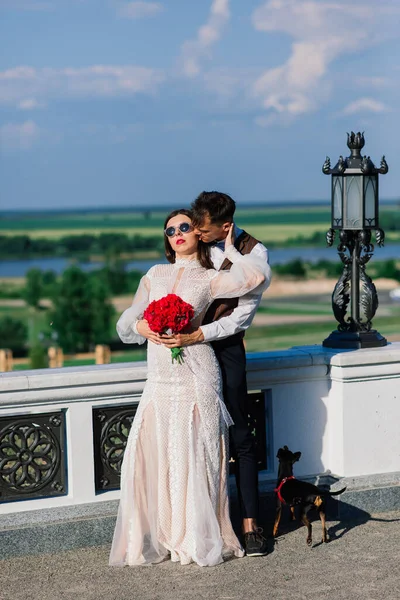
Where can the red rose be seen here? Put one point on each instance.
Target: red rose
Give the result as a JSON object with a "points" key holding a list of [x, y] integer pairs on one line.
{"points": [[169, 313]]}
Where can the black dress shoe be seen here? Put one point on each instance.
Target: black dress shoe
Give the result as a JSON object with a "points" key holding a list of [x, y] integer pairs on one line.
{"points": [[255, 543]]}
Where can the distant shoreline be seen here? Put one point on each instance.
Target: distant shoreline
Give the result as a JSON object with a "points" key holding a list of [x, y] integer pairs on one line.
{"points": [[167, 207]]}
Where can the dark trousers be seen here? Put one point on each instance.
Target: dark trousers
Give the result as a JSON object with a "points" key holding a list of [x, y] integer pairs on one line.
{"points": [[232, 360]]}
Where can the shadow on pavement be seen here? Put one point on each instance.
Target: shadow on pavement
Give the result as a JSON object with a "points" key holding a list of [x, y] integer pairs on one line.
{"points": [[348, 517], [344, 515]]}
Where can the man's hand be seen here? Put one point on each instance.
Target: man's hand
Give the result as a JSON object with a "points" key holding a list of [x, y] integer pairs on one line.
{"points": [[229, 238], [178, 340], [144, 330]]}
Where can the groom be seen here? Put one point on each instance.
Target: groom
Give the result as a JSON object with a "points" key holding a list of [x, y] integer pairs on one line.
{"points": [[224, 325]]}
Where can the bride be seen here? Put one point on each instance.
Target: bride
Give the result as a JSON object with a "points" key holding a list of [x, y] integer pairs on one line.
{"points": [[174, 476]]}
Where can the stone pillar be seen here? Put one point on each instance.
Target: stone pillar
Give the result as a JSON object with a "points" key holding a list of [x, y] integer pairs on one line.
{"points": [[339, 408], [364, 411], [103, 354], [6, 359], [56, 357]]}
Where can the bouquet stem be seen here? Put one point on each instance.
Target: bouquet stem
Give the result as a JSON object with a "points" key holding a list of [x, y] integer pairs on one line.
{"points": [[177, 354]]}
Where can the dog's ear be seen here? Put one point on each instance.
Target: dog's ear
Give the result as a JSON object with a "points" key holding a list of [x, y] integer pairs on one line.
{"points": [[296, 456]]}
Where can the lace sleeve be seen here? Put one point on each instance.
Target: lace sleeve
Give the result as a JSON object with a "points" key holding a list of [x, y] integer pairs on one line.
{"points": [[248, 273], [126, 326]]}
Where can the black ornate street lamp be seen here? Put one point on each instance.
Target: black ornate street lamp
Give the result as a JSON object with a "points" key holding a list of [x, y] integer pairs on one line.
{"points": [[355, 213]]}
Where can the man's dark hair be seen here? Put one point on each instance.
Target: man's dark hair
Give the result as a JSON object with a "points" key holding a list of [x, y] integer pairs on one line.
{"points": [[218, 206]]}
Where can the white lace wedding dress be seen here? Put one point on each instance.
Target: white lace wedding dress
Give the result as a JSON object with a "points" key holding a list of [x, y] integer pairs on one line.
{"points": [[174, 492]]}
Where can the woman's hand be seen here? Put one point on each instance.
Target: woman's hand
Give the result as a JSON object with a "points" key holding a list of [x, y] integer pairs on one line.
{"points": [[144, 330], [229, 237]]}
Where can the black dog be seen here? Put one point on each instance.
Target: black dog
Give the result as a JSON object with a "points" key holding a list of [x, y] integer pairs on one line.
{"points": [[293, 492]]}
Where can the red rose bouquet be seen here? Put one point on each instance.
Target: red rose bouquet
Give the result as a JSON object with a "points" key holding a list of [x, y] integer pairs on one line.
{"points": [[170, 314]]}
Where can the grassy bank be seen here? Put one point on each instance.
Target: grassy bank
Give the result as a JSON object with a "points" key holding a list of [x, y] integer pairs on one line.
{"points": [[276, 335], [281, 337]]}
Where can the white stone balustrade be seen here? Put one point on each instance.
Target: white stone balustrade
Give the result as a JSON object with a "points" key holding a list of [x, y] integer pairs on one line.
{"points": [[341, 409]]}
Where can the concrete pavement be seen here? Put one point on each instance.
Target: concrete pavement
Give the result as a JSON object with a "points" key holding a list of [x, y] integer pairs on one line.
{"points": [[362, 560]]}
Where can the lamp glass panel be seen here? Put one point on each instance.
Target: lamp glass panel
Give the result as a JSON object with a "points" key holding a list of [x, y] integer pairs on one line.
{"points": [[370, 201], [337, 183], [353, 210]]}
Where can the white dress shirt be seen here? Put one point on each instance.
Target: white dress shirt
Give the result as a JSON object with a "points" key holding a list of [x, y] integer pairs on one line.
{"points": [[242, 316]]}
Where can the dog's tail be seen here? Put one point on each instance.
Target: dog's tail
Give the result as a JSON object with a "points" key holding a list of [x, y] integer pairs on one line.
{"points": [[336, 493]]}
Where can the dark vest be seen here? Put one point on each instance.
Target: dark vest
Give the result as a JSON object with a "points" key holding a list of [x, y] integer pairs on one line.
{"points": [[225, 306]]}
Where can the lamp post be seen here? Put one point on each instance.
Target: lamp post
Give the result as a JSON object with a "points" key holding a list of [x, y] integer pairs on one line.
{"points": [[355, 213]]}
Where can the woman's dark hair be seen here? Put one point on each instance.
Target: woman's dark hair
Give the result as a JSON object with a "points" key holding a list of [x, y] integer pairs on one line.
{"points": [[203, 250], [218, 206]]}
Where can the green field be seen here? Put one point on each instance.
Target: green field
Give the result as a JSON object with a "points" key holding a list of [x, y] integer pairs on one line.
{"points": [[269, 224], [274, 225], [153, 221], [266, 339], [259, 338], [264, 232], [281, 337]]}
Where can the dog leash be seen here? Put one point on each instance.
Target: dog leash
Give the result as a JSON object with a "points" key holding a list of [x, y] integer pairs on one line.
{"points": [[278, 489]]}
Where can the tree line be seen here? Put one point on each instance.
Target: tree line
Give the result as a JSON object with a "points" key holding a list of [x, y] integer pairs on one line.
{"points": [[82, 313], [105, 244], [115, 244], [299, 269]]}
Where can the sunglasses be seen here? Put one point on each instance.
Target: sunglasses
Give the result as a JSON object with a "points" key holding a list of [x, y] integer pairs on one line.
{"points": [[183, 228]]}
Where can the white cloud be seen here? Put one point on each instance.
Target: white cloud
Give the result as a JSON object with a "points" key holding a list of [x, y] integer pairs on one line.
{"points": [[139, 10], [374, 81], [229, 82], [18, 136], [193, 51], [321, 31], [20, 83], [364, 105], [29, 104]]}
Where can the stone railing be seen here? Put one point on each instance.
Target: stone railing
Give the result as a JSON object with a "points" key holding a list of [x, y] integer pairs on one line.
{"points": [[62, 431]]}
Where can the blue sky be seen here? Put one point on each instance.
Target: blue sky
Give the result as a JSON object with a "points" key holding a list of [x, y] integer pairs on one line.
{"points": [[118, 103]]}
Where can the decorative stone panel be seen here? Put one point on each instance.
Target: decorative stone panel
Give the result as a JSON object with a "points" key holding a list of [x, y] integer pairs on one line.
{"points": [[32, 456], [111, 426]]}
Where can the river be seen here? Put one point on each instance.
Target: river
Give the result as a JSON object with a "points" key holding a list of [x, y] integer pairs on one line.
{"points": [[18, 268]]}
